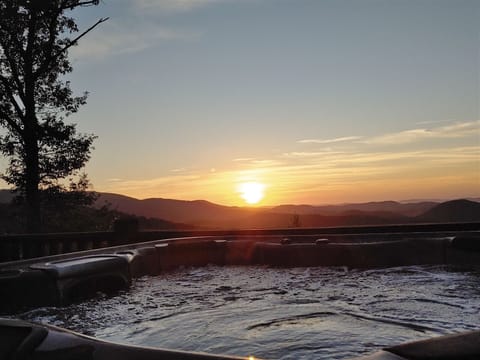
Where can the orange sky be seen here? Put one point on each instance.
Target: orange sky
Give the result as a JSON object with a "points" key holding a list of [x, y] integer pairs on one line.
{"points": [[439, 163]]}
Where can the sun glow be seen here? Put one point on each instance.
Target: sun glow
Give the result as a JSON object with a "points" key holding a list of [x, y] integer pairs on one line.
{"points": [[251, 192]]}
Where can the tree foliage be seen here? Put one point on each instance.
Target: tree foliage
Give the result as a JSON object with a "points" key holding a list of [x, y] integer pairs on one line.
{"points": [[44, 152]]}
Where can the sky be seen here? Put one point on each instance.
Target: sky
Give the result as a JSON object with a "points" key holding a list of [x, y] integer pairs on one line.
{"points": [[319, 101]]}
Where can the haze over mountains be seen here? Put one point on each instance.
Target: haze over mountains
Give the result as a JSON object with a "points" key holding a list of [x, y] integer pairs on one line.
{"points": [[204, 214], [209, 215]]}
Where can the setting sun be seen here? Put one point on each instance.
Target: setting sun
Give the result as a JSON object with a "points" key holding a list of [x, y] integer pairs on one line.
{"points": [[251, 192]]}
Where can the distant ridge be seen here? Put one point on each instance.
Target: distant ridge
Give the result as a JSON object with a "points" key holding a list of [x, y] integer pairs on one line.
{"points": [[207, 215], [197, 212], [405, 209], [210, 215], [460, 210]]}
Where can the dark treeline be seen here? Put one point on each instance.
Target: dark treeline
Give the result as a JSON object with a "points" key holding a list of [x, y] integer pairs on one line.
{"points": [[60, 216]]}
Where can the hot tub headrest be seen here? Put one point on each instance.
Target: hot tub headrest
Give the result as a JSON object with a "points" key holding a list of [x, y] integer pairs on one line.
{"points": [[19, 339], [82, 266]]}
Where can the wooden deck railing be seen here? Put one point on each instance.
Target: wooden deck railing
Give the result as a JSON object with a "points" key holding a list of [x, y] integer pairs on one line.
{"points": [[19, 247]]}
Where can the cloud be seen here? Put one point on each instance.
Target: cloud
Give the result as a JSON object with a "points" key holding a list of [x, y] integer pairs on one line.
{"points": [[302, 154], [353, 171], [135, 27], [428, 122], [366, 161], [257, 162], [151, 186], [266, 162], [114, 180], [243, 159], [173, 5], [116, 39], [450, 131], [360, 170], [311, 154], [456, 130], [329, 141], [364, 166]]}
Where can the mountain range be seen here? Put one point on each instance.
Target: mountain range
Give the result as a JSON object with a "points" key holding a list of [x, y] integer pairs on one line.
{"points": [[205, 214]]}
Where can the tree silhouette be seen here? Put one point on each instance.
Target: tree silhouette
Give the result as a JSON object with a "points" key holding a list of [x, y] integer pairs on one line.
{"points": [[43, 150]]}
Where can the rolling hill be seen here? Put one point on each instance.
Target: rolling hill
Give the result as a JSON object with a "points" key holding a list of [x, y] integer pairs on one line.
{"points": [[197, 212], [406, 209], [207, 214], [453, 211], [204, 214]]}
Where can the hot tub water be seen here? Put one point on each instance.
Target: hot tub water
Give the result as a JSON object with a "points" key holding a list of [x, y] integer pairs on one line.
{"points": [[272, 313]]}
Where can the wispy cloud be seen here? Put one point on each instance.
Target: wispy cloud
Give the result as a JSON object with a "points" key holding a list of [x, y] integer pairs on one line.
{"points": [[266, 162], [150, 187], [136, 27], [456, 130], [359, 170], [449, 131], [115, 39], [310, 154], [329, 141], [429, 122], [173, 5], [243, 159], [358, 159], [257, 162]]}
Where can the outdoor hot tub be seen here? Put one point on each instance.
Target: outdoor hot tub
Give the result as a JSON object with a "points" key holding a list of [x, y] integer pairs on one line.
{"points": [[267, 297]]}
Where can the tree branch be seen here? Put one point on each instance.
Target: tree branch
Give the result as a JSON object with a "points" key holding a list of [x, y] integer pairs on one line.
{"points": [[14, 69], [81, 3], [46, 65], [11, 96], [51, 38], [12, 123]]}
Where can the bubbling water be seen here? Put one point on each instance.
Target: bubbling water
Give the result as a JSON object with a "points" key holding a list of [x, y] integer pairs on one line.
{"points": [[273, 313]]}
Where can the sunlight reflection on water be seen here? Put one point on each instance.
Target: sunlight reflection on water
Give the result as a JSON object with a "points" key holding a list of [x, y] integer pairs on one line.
{"points": [[298, 313]]}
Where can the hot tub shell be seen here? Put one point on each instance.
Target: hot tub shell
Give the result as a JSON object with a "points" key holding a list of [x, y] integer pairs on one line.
{"points": [[62, 279], [59, 280]]}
